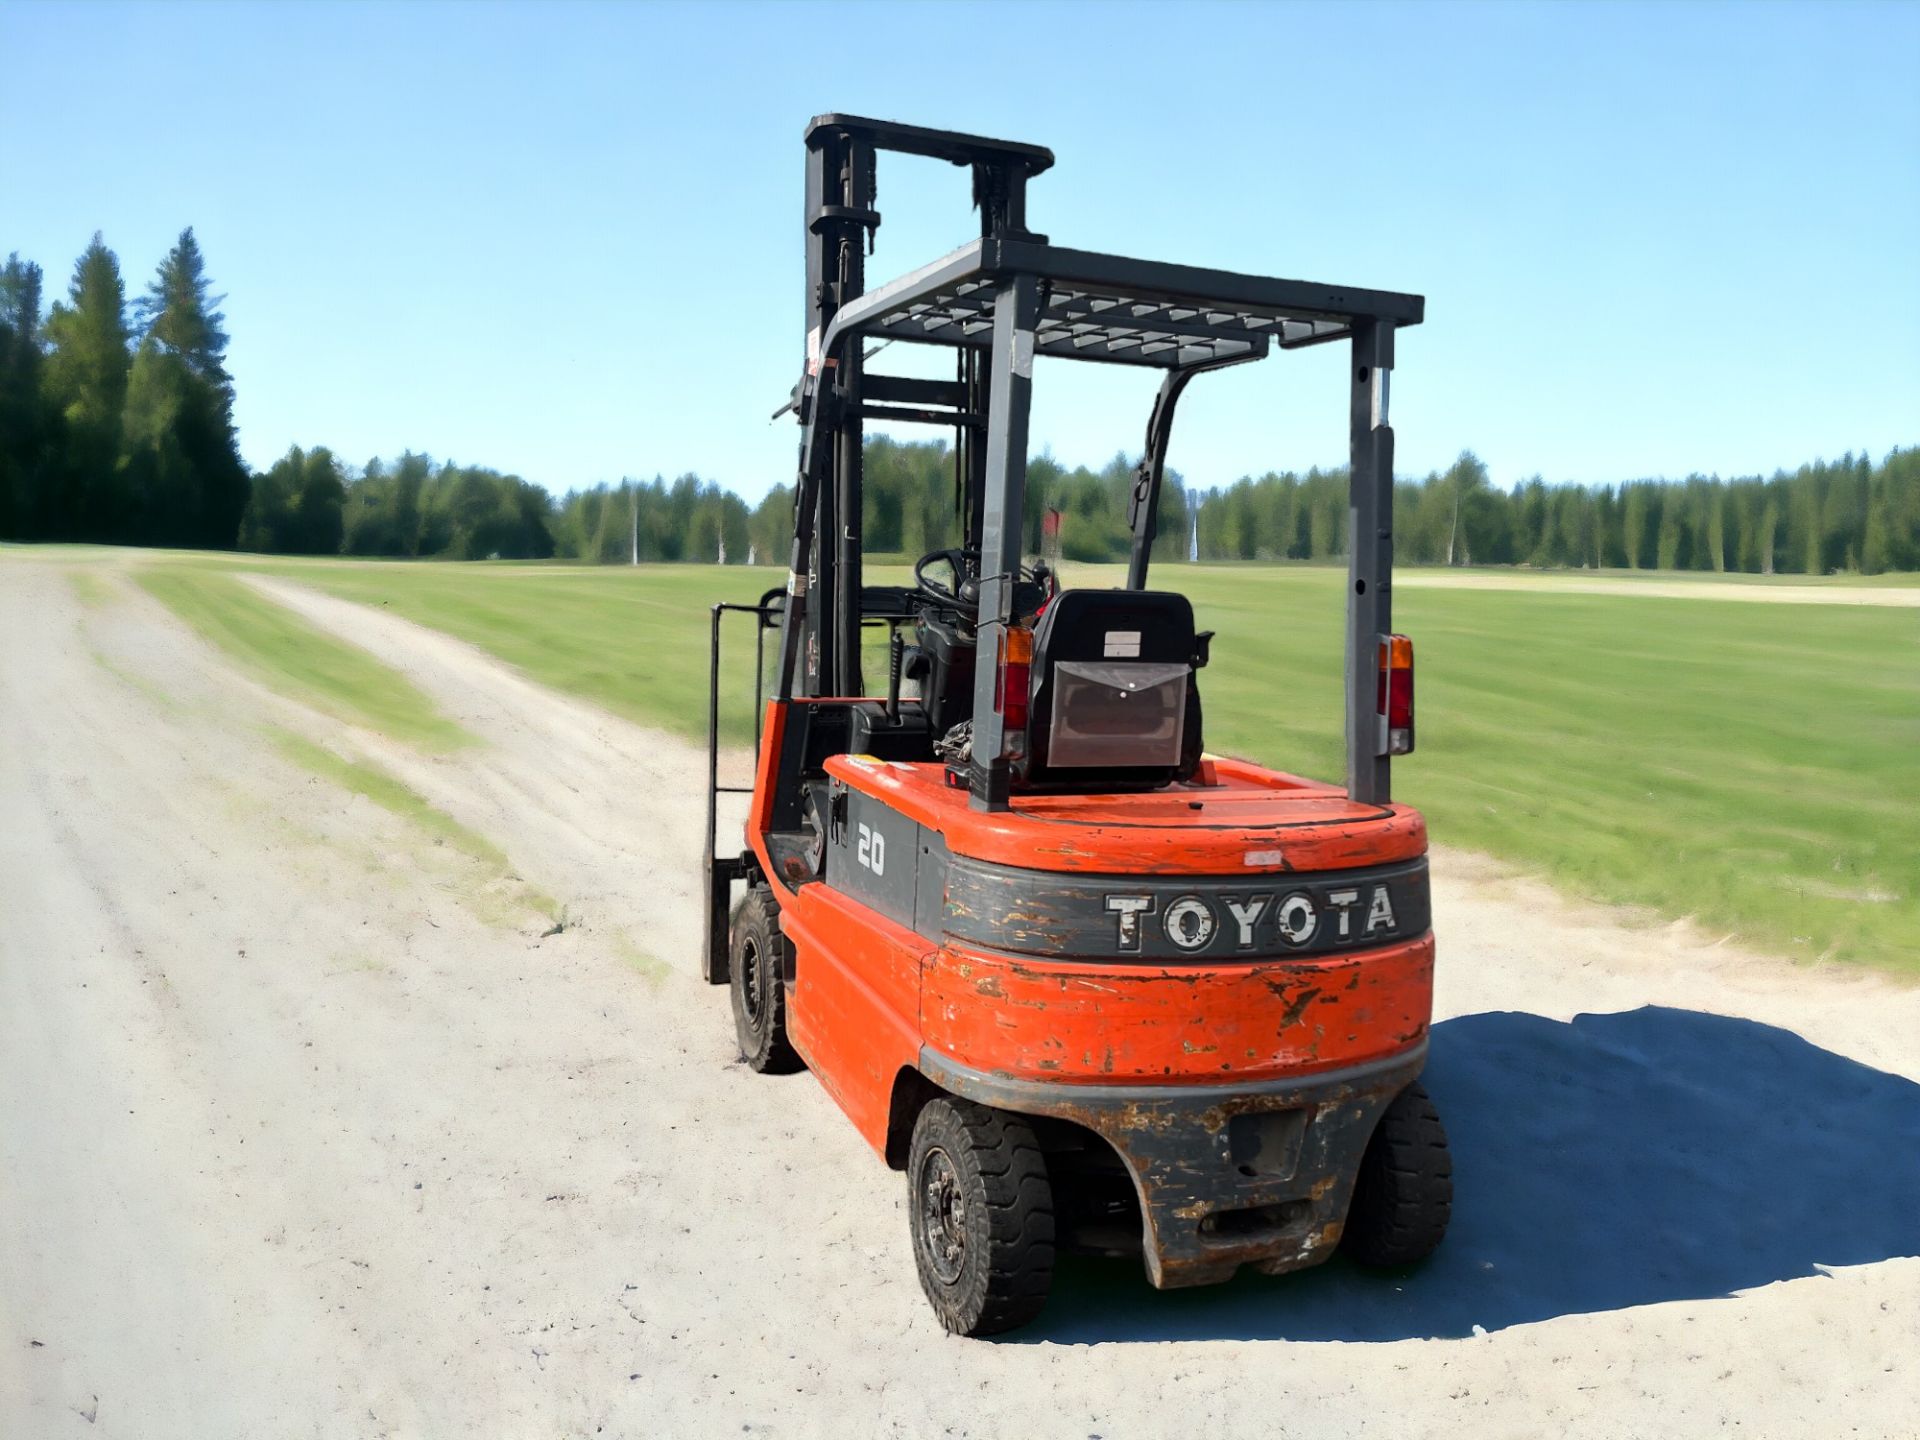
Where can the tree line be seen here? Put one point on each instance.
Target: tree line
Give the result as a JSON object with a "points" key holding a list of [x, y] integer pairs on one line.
{"points": [[116, 418], [1846, 515], [116, 425]]}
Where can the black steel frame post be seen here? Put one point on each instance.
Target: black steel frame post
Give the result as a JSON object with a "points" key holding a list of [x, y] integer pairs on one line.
{"points": [[723, 870], [839, 219], [822, 588], [1369, 557], [809, 626], [855, 193], [795, 623], [1143, 504], [1000, 192], [980, 402], [1016, 311]]}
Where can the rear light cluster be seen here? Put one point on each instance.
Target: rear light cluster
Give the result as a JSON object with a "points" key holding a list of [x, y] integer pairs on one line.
{"points": [[1395, 692], [1011, 684]]}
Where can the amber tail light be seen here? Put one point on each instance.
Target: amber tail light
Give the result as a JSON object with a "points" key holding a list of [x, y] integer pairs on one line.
{"points": [[1016, 674], [1395, 692]]}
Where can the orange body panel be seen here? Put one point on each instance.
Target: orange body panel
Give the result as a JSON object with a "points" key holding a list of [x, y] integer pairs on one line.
{"points": [[760, 812], [1251, 820], [869, 994], [853, 1012], [1173, 1025]]}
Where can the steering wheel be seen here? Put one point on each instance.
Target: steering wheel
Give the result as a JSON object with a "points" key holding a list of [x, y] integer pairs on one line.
{"points": [[961, 591]]}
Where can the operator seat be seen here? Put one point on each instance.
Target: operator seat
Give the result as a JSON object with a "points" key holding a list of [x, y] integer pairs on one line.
{"points": [[1114, 704]]}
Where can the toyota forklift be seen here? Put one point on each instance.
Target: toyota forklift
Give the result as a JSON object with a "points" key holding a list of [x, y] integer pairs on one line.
{"points": [[1091, 986]]}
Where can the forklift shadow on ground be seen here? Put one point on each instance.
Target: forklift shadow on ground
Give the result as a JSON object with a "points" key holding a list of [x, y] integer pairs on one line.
{"points": [[1617, 1160]]}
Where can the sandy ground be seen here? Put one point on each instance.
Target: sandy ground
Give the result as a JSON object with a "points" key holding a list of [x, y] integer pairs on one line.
{"points": [[306, 1130], [1571, 583]]}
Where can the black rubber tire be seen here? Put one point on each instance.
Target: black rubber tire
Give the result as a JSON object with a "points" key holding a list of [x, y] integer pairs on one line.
{"points": [[987, 1264], [1403, 1195], [759, 963]]}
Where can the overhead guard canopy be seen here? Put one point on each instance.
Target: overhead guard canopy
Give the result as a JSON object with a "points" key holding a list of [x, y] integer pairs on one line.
{"points": [[1115, 309], [1000, 302]]}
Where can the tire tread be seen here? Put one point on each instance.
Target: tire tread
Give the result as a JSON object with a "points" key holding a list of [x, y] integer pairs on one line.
{"points": [[999, 1148], [769, 1052], [1403, 1195]]}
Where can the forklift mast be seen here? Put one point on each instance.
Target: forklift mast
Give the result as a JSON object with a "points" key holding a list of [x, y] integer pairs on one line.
{"points": [[1001, 301], [841, 221]]}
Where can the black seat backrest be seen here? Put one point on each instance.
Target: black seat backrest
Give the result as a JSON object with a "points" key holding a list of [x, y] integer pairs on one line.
{"points": [[1113, 701]]}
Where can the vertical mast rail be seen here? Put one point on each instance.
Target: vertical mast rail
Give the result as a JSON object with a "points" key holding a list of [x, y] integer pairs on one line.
{"points": [[854, 193], [1016, 311], [1369, 557]]}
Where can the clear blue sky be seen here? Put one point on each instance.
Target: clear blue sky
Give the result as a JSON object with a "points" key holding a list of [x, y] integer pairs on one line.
{"points": [[565, 241]]}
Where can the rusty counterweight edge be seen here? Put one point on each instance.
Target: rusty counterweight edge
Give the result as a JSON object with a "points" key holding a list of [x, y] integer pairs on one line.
{"points": [[1075, 1101], [1167, 1137]]}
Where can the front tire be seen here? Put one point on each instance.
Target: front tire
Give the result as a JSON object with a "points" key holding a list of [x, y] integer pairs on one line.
{"points": [[980, 1207], [1403, 1195], [759, 966]]}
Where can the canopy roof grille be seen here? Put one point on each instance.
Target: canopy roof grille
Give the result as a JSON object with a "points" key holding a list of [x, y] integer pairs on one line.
{"points": [[1106, 307], [1093, 326]]}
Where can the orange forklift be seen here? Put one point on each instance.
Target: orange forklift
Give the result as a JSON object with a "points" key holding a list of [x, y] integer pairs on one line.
{"points": [[1087, 984]]}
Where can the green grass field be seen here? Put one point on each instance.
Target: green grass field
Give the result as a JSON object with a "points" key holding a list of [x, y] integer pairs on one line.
{"points": [[296, 658], [1749, 764]]}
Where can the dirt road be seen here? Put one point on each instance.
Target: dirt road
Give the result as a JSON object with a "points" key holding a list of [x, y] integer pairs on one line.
{"points": [[306, 1129]]}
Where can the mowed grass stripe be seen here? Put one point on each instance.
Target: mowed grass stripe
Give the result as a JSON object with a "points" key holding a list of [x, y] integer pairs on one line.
{"points": [[299, 660], [1748, 764], [632, 640], [1751, 765]]}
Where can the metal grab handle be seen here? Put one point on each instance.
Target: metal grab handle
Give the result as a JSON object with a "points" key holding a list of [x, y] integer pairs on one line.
{"points": [[721, 871]]}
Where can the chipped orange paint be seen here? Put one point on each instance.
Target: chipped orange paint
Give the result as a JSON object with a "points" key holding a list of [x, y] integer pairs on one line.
{"points": [[1178, 1024], [853, 1011], [868, 994], [760, 809], [1251, 820]]}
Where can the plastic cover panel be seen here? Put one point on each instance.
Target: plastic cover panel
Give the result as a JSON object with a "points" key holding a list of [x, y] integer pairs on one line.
{"points": [[1126, 714]]}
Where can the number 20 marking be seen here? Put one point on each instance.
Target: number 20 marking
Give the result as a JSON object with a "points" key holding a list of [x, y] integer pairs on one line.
{"points": [[873, 850]]}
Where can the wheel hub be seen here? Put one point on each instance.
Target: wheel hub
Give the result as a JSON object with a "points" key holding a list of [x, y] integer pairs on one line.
{"points": [[943, 1216], [752, 981]]}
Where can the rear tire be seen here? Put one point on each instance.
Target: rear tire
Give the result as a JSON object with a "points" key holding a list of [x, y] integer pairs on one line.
{"points": [[1403, 1195], [759, 964], [981, 1211]]}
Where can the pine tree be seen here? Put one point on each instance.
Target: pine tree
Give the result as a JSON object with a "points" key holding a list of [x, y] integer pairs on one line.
{"points": [[1769, 528], [1605, 527], [319, 514], [1807, 491], [26, 434], [267, 526], [1465, 478], [180, 315], [1633, 524], [182, 452], [1667, 543], [1876, 546], [86, 380], [161, 490]]}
